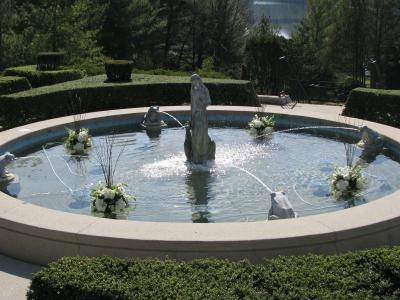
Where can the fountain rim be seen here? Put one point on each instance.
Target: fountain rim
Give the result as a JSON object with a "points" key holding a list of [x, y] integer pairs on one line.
{"points": [[40, 235]]}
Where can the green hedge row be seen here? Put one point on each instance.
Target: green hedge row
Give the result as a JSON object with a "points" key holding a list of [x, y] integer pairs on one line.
{"points": [[43, 78], [372, 274], [382, 106], [13, 84], [96, 95]]}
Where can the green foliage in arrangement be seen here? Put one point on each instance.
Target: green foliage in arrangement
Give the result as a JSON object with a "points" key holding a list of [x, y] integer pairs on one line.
{"points": [[143, 91], [50, 61], [382, 106], [119, 70], [13, 84], [42, 78], [372, 274]]}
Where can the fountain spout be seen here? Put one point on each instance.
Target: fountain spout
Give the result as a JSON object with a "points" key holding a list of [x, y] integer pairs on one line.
{"points": [[199, 148]]}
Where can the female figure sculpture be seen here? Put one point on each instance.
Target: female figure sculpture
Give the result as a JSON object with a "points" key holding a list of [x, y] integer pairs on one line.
{"points": [[199, 148]]}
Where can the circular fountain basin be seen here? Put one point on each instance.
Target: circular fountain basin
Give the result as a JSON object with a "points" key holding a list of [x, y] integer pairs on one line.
{"points": [[171, 195]]}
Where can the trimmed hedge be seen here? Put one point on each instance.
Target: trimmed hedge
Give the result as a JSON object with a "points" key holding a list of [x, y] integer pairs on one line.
{"points": [[382, 106], [371, 274], [43, 78], [119, 70], [145, 90], [13, 84], [49, 61]]}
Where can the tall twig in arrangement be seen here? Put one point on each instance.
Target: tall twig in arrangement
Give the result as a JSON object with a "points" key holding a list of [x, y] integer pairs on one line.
{"points": [[77, 110], [350, 148], [350, 153], [108, 158]]}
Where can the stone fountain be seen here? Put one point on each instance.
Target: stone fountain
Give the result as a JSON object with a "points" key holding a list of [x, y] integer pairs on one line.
{"points": [[199, 148]]}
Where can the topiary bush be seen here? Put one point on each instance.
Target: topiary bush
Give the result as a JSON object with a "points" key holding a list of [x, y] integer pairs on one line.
{"points": [[119, 70], [42, 78], [372, 274], [382, 106], [49, 61], [96, 95], [13, 84]]}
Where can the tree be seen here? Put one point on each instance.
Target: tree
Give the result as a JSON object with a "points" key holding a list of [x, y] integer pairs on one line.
{"points": [[263, 50], [6, 16], [115, 35]]}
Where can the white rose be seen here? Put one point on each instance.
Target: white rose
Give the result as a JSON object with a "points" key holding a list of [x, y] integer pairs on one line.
{"points": [[109, 194], [83, 136], [258, 124], [99, 204], [120, 205], [79, 147], [342, 185]]}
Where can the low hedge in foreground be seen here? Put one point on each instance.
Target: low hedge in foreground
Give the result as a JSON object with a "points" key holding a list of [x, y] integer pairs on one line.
{"points": [[13, 84], [144, 90], [43, 78], [382, 106], [368, 274]]}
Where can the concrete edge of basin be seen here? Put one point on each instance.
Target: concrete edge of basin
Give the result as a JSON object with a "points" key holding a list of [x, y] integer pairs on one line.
{"points": [[40, 235]]}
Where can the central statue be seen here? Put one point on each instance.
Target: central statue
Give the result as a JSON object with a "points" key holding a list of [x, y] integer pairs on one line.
{"points": [[199, 148]]}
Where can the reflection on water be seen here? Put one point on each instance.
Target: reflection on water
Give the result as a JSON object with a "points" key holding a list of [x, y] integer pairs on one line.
{"points": [[198, 184], [287, 14]]}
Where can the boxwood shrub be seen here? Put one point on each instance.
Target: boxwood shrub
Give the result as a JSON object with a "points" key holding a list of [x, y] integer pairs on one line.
{"points": [[144, 90], [49, 61], [13, 84], [382, 106], [372, 274], [42, 78], [119, 70]]}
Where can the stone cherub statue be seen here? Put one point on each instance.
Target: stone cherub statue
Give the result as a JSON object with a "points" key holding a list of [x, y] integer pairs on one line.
{"points": [[199, 148], [5, 159], [152, 120]]}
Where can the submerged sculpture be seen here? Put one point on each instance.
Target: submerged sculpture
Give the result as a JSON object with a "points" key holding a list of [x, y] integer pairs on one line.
{"points": [[152, 120], [281, 208], [5, 159], [370, 139], [199, 148]]}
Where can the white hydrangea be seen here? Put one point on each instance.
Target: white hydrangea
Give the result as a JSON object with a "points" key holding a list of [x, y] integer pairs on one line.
{"points": [[79, 147], [83, 136], [100, 205], [108, 194], [342, 185], [258, 124]]}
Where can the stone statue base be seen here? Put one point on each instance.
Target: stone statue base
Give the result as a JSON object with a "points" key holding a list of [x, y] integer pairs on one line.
{"points": [[197, 157]]}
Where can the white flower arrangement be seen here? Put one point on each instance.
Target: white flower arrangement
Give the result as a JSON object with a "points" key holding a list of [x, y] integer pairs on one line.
{"points": [[110, 200], [259, 124], [78, 141], [347, 182]]}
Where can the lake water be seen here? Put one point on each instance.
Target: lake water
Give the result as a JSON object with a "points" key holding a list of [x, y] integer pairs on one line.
{"points": [[287, 14]]}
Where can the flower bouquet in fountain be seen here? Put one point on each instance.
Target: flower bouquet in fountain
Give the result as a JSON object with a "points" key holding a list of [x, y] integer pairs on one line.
{"points": [[262, 125], [348, 182], [108, 198], [78, 140]]}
